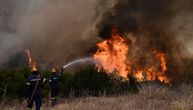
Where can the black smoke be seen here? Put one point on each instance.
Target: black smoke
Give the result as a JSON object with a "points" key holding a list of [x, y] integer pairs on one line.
{"points": [[151, 24]]}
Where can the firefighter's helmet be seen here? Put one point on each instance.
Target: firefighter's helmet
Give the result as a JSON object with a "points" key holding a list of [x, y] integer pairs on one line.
{"points": [[53, 70]]}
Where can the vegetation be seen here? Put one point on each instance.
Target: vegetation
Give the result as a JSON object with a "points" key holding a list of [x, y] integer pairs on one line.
{"points": [[88, 89], [152, 96], [84, 82]]}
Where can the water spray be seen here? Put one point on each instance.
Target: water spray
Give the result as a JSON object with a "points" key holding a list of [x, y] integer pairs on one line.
{"points": [[81, 60]]}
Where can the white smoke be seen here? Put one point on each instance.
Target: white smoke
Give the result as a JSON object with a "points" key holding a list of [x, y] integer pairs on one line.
{"points": [[54, 30]]}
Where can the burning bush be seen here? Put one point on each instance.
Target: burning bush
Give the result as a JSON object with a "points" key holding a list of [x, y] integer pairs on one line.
{"points": [[115, 55]]}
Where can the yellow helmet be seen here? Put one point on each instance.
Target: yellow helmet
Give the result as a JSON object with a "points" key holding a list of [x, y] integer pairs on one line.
{"points": [[53, 70]]}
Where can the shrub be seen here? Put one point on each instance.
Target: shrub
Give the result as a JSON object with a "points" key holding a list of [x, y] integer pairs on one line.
{"points": [[84, 82]]}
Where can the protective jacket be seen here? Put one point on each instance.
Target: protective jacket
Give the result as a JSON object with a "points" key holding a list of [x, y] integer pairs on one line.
{"points": [[54, 85], [34, 83]]}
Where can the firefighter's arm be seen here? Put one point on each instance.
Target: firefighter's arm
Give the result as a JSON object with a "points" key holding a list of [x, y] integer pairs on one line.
{"points": [[43, 81], [61, 72], [50, 80]]}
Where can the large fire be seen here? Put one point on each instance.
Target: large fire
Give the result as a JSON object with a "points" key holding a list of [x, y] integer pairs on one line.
{"points": [[113, 55], [32, 63]]}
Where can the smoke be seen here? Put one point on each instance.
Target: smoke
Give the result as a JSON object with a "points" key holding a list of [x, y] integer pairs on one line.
{"points": [[163, 25], [56, 31]]}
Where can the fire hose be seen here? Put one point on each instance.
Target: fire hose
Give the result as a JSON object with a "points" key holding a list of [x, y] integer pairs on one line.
{"points": [[32, 93]]}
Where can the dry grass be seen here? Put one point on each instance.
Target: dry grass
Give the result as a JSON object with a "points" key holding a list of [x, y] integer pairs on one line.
{"points": [[151, 97]]}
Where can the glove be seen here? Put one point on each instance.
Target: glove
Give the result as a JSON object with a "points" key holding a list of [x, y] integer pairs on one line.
{"points": [[44, 80]]}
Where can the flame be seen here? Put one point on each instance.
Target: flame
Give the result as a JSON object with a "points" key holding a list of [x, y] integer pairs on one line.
{"points": [[32, 63], [162, 74], [139, 75], [152, 72], [162, 58], [113, 55]]}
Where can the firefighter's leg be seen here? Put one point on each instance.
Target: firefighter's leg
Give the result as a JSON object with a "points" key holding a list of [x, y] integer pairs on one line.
{"points": [[38, 102], [53, 101], [53, 96], [30, 101]]}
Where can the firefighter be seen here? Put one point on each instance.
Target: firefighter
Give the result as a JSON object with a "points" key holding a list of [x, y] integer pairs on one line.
{"points": [[54, 84], [34, 82]]}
